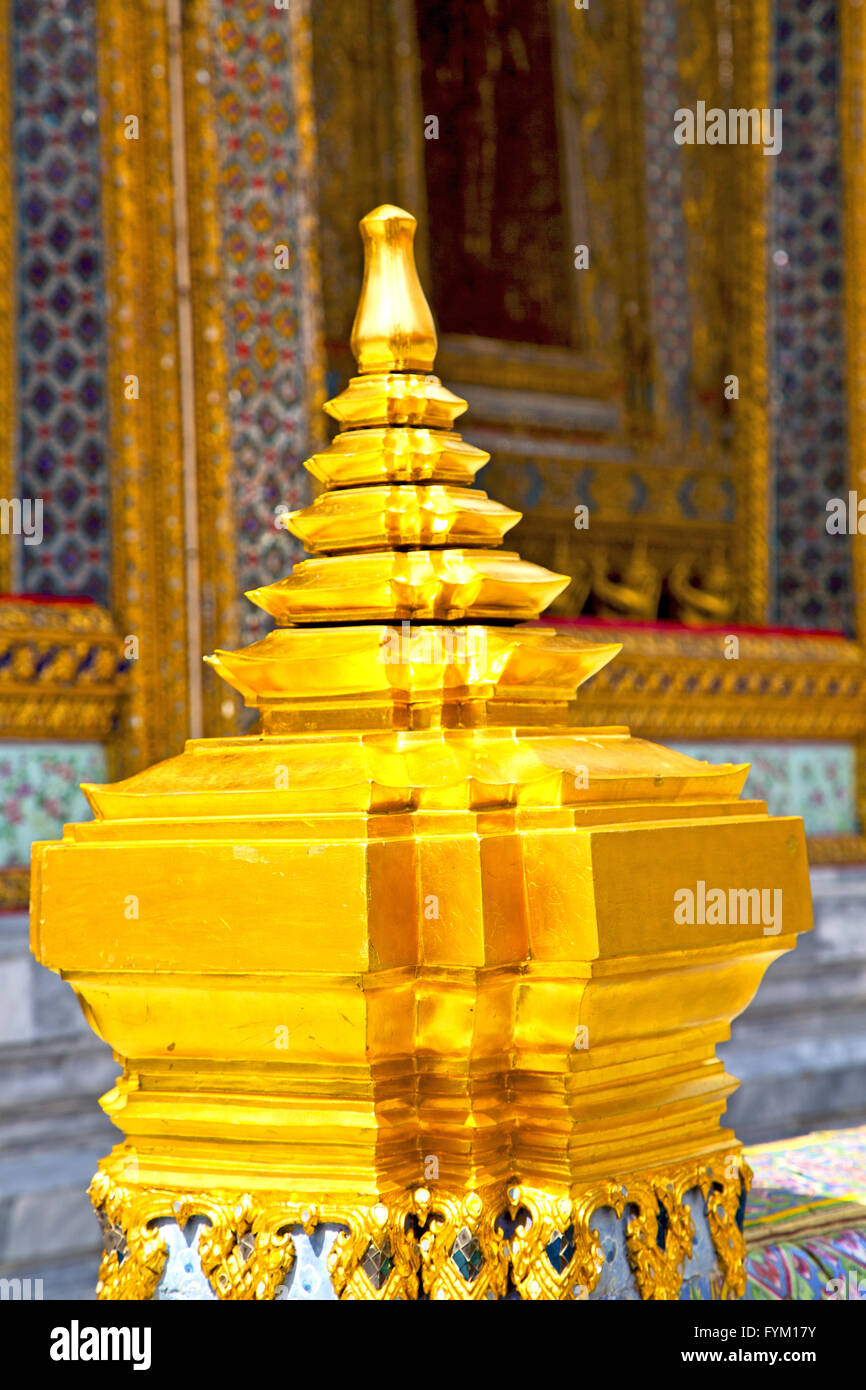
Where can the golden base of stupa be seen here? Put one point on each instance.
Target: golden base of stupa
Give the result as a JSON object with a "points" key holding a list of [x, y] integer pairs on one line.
{"points": [[425, 960]]}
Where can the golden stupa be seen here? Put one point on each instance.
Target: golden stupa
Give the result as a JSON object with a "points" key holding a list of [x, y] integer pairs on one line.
{"points": [[408, 961]]}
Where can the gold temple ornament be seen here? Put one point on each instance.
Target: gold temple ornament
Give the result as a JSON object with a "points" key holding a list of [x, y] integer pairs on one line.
{"points": [[402, 966]]}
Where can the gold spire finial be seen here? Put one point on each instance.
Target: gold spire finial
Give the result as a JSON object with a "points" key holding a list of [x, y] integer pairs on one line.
{"points": [[407, 540], [393, 329]]}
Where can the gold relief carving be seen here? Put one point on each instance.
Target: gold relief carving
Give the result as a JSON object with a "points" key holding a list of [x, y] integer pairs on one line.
{"points": [[722, 1203], [658, 1271], [630, 591], [779, 686], [674, 502], [377, 1258], [60, 670], [246, 1252], [134, 1260], [463, 1253], [678, 684], [535, 1275], [14, 888], [703, 592]]}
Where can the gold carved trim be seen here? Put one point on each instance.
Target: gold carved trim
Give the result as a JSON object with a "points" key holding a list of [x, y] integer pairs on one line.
{"points": [[60, 671], [246, 1252], [8, 326], [727, 243], [752, 30], [383, 1231], [513, 366], [535, 1277], [394, 1250], [678, 684], [61, 677], [305, 175], [135, 1253], [145, 435], [470, 1220], [14, 889], [214, 463]]}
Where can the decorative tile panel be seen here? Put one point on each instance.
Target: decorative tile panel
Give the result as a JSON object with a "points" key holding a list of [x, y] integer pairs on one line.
{"points": [[817, 781], [262, 206], [61, 309], [40, 792], [807, 350], [666, 232]]}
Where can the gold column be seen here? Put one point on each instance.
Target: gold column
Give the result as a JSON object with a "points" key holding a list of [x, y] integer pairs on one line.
{"points": [[145, 444]]}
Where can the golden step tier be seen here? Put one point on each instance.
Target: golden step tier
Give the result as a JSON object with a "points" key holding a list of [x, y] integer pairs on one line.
{"points": [[396, 398], [400, 515], [510, 662], [420, 585], [586, 774], [405, 676], [396, 455]]}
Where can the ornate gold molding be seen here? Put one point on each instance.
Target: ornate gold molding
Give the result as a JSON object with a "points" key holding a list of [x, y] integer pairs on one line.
{"points": [[247, 1252], [135, 1251], [453, 1248], [377, 1258], [60, 670], [14, 889], [751, 31], [677, 683], [61, 677]]}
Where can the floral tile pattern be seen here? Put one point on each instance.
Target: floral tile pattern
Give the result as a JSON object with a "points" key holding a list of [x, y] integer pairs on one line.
{"points": [[807, 349], [40, 793], [814, 780], [250, 73]]}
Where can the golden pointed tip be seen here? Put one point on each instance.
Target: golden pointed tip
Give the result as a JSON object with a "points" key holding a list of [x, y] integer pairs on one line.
{"points": [[393, 329], [386, 213]]}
